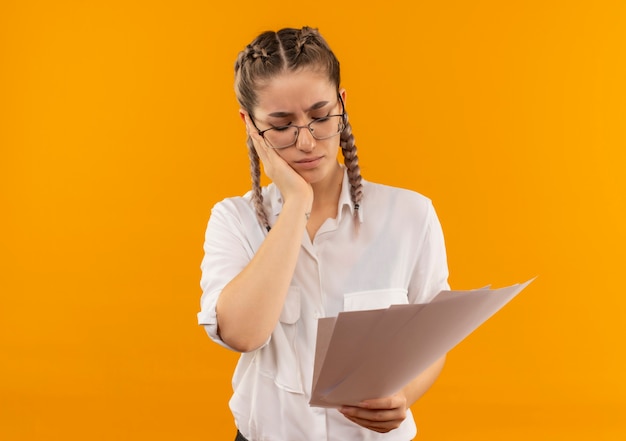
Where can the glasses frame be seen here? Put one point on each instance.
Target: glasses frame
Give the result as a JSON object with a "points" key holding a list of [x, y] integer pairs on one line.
{"points": [[343, 115]]}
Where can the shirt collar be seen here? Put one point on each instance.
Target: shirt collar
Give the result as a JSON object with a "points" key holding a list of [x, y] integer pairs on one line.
{"points": [[344, 199], [276, 199]]}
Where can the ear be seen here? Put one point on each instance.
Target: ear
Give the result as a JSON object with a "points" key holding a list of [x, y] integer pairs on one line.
{"points": [[342, 93], [245, 117]]}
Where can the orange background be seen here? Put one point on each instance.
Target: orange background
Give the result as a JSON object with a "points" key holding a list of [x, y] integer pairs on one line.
{"points": [[119, 131]]}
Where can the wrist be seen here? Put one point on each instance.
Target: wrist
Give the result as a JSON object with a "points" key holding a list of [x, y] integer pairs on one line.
{"points": [[299, 208]]}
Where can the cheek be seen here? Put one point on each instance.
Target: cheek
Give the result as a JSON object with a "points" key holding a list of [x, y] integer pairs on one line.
{"points": [[329, 144], [284, 153], [334, 146]]}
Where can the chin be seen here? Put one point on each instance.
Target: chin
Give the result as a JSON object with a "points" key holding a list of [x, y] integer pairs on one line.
{"points": [[311, 176]]}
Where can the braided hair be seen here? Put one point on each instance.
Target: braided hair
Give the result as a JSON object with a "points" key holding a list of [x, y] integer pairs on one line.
{"points": [[270, 54]]}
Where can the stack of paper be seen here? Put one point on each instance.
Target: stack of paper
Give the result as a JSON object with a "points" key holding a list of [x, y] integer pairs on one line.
{"points": [[370, 354]]}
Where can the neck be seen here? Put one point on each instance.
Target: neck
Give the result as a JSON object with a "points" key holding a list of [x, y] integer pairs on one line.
{"points": [[325, 200], [327, 192]]}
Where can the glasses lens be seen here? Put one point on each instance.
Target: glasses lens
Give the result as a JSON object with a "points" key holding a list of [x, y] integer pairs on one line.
{"points": [[281, 137], [326, 127]]}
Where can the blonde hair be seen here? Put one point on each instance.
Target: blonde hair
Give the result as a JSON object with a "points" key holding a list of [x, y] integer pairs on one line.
{"points": [[287, 50]]}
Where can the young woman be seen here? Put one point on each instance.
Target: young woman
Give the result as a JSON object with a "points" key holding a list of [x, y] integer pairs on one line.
{"points": [[317, 241]]}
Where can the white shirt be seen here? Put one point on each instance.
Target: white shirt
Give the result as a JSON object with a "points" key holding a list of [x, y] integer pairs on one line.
{"points": [[397, 256]]}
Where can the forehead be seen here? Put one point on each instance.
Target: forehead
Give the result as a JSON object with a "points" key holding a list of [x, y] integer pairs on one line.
{"points": [[294, 92]]}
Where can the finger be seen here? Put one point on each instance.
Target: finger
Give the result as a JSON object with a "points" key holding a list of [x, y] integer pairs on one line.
{"points": [[377, 426], [257, 139], [259, 145], [253, 132], [392, 402], [260, 149], [374, 415]]}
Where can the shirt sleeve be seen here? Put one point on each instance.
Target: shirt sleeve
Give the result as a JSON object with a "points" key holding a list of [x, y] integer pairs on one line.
{"points": [[430, 275], [228, 247]]}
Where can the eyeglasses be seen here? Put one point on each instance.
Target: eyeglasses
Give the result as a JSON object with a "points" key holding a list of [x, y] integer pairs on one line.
{"points": [[320, 128]]}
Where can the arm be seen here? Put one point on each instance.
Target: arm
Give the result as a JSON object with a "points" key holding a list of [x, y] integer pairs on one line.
{"points": [[385, 414], [249, 306]]}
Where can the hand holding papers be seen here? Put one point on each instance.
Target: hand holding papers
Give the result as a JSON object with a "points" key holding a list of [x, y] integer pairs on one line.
{"points": [[361, 355]]}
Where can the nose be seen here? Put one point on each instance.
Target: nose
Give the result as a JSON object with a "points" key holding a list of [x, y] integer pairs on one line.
{"points": [[305, 141]]}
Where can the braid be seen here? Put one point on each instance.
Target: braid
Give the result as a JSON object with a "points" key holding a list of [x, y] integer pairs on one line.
{"points": [[256, 52], [251, 56], [351, 160], [303, 38], [257, 196]]}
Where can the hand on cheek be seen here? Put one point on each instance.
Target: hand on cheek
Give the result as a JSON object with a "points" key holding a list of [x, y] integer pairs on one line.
{"points": [[290, 183]]}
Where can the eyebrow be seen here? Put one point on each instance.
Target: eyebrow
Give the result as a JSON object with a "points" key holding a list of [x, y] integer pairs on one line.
{"points": [[315, 106]]}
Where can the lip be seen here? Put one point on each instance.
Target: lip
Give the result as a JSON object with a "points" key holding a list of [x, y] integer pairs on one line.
{"points": [[309, 163]]}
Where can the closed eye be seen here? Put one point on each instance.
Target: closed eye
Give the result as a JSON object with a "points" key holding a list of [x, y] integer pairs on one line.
{"points": [[281, 128], [322, 119]]}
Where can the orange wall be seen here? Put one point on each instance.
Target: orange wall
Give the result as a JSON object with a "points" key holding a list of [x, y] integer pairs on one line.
{"points": [[119, 131]]}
